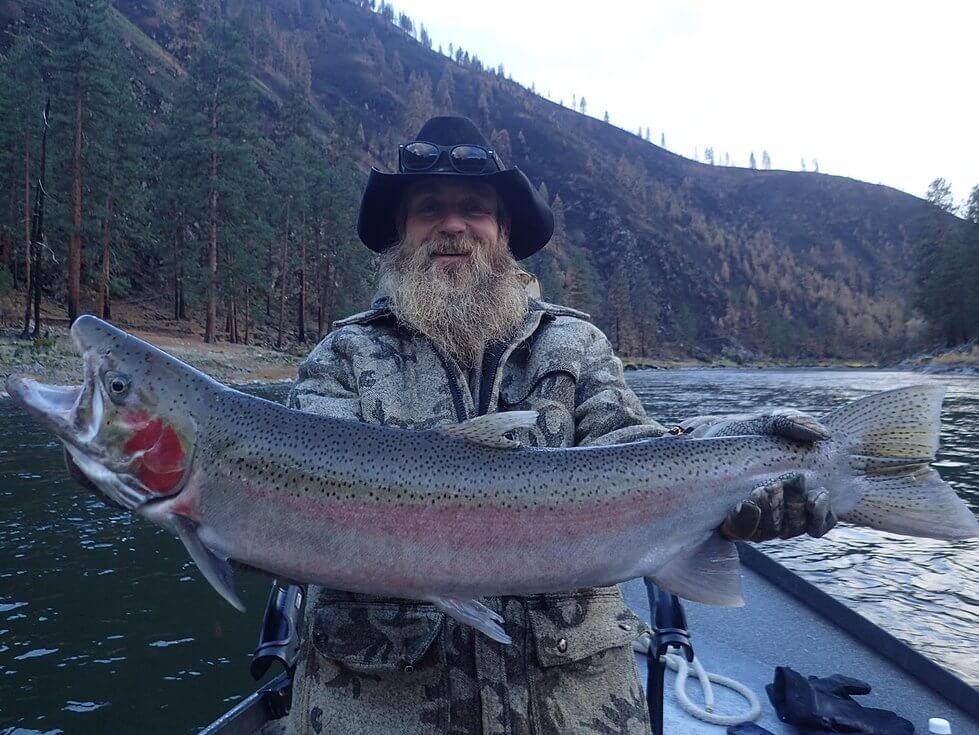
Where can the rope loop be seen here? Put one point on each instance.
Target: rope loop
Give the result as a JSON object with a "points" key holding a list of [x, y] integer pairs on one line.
{"points": [[706, 713]]}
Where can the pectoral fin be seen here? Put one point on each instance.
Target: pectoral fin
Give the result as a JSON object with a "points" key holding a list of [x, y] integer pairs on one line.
{"points": [[489, 430], [216, 570], [709, 573], [474, 613]]}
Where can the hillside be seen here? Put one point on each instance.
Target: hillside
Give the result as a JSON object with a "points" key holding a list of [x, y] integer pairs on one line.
{"points": [[668, 254]]}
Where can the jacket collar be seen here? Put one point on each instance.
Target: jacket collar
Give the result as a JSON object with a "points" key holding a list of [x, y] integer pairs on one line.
{"points": [[380, 310]]}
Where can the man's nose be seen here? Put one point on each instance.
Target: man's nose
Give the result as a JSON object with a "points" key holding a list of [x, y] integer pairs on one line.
{"points": [[453, 224]]}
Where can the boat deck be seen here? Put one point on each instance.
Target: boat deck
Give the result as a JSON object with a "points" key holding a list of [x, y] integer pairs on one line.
{"points": [[786, 622], [773, 629]]}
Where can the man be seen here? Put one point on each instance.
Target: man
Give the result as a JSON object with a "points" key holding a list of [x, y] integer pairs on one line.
{"points": [[453, 335]]}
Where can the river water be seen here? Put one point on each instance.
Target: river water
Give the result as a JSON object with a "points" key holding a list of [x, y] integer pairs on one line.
{"points": [[106, 626]]}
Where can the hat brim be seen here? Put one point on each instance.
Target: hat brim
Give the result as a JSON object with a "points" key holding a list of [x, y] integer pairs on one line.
{"points": [[532, 223]]}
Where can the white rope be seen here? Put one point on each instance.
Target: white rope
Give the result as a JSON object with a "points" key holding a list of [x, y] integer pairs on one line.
{"points": [[705, 713]]}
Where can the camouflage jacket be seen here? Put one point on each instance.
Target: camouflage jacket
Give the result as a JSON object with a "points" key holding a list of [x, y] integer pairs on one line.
{"points": [[373, 665]]}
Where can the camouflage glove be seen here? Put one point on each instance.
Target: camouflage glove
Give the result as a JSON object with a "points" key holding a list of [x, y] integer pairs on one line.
{"points": [[784, 508], [786, 423]]}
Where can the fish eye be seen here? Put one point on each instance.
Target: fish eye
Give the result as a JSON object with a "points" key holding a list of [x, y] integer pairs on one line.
{"points": [[117, 384]]}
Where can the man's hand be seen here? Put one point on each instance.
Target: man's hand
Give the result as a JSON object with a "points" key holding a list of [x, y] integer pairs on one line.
{"points": [[785, 508], [782, 509], [786, 423]]}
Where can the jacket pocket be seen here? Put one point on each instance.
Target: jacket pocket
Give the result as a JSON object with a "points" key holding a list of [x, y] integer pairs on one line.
{"points": [[585, 677], [373, 667], [375, 637], [572, 627]]}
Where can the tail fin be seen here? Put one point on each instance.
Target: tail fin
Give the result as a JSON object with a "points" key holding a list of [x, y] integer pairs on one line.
{"points": [[891, 438]]}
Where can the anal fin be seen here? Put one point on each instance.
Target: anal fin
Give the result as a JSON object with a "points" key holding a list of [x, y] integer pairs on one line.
{"points": [[216, 570], [709, 573], [474, 613]]}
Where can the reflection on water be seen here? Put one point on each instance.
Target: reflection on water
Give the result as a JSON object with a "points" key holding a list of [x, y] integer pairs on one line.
{"points": [[925, 592], [106, 626]]}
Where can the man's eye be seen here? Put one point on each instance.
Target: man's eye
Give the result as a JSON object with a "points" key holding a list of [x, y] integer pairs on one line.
{"points": [[427, 210], [478, 210]]}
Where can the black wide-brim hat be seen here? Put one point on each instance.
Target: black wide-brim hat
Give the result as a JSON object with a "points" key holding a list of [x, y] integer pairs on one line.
{"points": [[531, 221]]}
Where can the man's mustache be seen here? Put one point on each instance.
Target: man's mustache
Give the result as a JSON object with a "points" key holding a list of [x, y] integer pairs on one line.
{"points": [[451, 246]]}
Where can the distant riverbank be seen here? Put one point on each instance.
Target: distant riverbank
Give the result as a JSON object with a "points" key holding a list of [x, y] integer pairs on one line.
{"points": [[961, 360], [54, 360]]}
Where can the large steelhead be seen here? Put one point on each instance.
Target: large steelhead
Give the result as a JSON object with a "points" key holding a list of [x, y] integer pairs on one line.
{"points": [[464, 511]]}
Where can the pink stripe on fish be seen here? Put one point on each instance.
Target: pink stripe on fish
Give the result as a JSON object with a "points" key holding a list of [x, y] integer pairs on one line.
{"points": [[468, 525]]}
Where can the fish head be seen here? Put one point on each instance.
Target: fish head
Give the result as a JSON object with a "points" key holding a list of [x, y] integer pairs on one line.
{"points": [[127, 428]]}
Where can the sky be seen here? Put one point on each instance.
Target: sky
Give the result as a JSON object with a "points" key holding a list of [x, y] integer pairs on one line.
{"points": [[884, 92]]}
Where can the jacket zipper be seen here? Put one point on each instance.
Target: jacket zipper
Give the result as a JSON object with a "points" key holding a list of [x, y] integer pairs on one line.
{"points": [[455, 389], [491, 363]]}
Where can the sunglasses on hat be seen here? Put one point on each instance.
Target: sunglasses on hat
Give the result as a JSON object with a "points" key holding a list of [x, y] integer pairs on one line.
{"points": [[419, 156]]}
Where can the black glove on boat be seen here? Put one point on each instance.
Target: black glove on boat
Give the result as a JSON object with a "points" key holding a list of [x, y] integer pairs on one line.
{"points": [[820, 705], [784, 508], [748, 728]]}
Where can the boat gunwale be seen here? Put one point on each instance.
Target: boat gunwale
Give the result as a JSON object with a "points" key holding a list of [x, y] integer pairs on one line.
{"points": [[919, 667]]}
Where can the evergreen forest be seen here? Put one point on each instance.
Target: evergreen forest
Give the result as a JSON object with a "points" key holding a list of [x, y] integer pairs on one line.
{"points": [[207, 157]]}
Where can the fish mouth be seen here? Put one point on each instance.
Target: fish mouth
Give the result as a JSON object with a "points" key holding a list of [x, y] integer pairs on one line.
{"points": [[53, 405]]}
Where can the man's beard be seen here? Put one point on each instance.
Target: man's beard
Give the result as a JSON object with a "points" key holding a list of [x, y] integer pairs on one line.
{"points": [[461, 306]]}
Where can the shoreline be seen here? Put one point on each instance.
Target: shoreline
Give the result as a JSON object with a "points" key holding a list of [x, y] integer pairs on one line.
{"points": [[53, 359]]}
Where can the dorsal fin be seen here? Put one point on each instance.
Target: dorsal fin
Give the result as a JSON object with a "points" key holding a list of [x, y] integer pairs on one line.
{"points": [[489, 430]]}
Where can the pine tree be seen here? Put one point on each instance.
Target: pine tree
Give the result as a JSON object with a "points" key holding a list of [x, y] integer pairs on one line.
{"points": [[580, 283], [444, 92], [406, 24], [766, 161], [939, 267], [119, 195], [605, 117], [751, 160], [397, 67], [419, 105], [423, 36], [294, 113], [620, 311], [189, 29], [549, 276], [583, 106], [82, 53], [22, 93], [559, 238], [226, 138], [646, 310], [972, 206]]}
